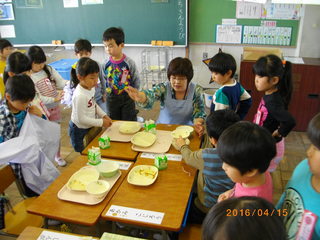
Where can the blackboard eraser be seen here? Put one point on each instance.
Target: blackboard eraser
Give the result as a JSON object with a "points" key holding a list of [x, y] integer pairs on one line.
{"points": [[167, 43], [58, 42], [153, 42], [53, 42], [159, 43]]}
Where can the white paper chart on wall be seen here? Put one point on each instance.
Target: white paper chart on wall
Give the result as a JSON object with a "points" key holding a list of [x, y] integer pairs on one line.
{"points": [[181, 21]]}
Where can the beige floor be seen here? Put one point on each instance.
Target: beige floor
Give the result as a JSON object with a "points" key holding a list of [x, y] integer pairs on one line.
{"points": [[296, 146]]}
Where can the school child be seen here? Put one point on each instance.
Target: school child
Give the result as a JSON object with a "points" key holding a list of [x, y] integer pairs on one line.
{"points": [[273, 77], [248, 218], [301, 197], [48, 82], [181, 100], [120, 72], [84, 107], [231, 94], [212, 180], [83, 48], [19, 93], [246, 150], [17, 63], [6, 49]]}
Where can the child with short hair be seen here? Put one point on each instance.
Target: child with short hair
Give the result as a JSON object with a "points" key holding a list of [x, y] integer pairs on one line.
{"points": [[17, 63], [20, 91], [212, 180], [83, 48], [49, 84], [273, 77], [301, 197], [181, 100], [246, 150], [241, 218], [120, 72], [6, 49], [231, 94], [84, 107]]}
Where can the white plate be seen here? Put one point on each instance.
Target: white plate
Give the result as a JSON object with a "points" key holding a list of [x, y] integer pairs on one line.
{"points": [[186, 127], [79, 180], [143, 139], [180, 132], [129, 127], [142, 175]]}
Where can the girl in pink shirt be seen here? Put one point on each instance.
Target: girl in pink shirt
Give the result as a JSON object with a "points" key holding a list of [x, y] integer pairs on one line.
{"points": [[246, 150]]}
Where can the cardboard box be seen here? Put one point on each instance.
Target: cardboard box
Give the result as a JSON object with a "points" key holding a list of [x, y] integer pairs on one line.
{"points": [[254, 53]]}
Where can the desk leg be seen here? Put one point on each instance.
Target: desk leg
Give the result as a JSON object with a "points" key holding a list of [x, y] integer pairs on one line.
{"points": [[45, 225]]}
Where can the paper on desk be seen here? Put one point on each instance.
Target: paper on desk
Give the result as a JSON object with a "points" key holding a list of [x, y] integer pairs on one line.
{"points": [[122, 165], [172, 157], [135, 214], [48, 235]]}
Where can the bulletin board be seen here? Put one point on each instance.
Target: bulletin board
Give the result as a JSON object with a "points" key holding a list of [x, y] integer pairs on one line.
{"points": [[141, 20], [205, 15]]}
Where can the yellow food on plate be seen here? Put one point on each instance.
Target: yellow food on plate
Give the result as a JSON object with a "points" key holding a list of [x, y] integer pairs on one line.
{"points": [[149, 173], [76, 185], [129, 127]]}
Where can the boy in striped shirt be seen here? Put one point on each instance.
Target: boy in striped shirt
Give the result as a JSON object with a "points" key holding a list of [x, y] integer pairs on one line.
{"points": [[212, 180]]}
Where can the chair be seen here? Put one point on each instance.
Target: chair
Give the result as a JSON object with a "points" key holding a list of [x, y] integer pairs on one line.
{"points": [[191, 232], [18, 219]]}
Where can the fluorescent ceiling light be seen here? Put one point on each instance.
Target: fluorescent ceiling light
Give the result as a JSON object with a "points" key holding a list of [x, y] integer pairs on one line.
{"points": [[314, 2]]}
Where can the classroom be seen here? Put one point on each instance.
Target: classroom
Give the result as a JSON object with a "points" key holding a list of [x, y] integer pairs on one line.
{"points": [[159, 119]]}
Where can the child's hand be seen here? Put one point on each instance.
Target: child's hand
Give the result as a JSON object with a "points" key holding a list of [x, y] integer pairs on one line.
{"points": [[135, 94], [107, 122], [35, 110], [179, 142], [276, 134], [198, 126], [59, 97], [226, 195]]}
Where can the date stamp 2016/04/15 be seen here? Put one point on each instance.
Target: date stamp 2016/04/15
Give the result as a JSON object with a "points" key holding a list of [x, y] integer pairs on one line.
{"points": [[256, 212]]}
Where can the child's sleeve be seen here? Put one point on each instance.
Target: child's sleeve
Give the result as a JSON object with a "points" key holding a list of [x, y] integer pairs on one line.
{"points": [[198, 104], [245, 103], [102, 80], [134, 73], [220, 101], [100, 113], [60, 82], [193, 159]]}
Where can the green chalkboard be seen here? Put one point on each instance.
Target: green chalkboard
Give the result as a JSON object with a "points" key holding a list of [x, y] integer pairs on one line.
{"points": [[206, 14], [141, 20]]}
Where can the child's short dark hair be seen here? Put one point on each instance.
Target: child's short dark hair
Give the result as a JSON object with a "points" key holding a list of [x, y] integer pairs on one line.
{"points": [[314, 130], [222, 63], [82, 45], [220, 120], [20, 87], [114, 33], [180, 66], [17, 62], [4, 43], [247, 146], [85, 66], [234, 219]]}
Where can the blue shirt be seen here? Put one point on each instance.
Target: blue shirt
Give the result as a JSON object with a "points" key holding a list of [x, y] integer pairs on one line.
{"points": [[298, 196]]}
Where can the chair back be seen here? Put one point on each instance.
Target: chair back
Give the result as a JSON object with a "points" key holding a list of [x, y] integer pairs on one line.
{"points": [[6, 177]]}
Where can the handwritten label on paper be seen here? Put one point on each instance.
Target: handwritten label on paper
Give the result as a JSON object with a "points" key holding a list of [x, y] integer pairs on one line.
{"points": [[135, 214], [171, 157], [122, 165], [47, 235]]}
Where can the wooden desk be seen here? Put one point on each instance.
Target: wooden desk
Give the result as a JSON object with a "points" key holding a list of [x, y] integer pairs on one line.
{"points": [[122, 150], [32, 233], [48, 204], [168, 194]]}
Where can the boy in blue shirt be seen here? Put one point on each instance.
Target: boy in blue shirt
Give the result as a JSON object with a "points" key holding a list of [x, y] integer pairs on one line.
{"points": [[301, 198], [119, 71], [19, 93], [231, 95], [212, 179]]}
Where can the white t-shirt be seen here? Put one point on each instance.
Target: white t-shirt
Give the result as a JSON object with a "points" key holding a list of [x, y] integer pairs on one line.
{"points": [[85, 109]]}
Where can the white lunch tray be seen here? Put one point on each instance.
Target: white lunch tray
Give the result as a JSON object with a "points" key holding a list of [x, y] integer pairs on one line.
{"points": [[84, 197], [115, 135]]}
